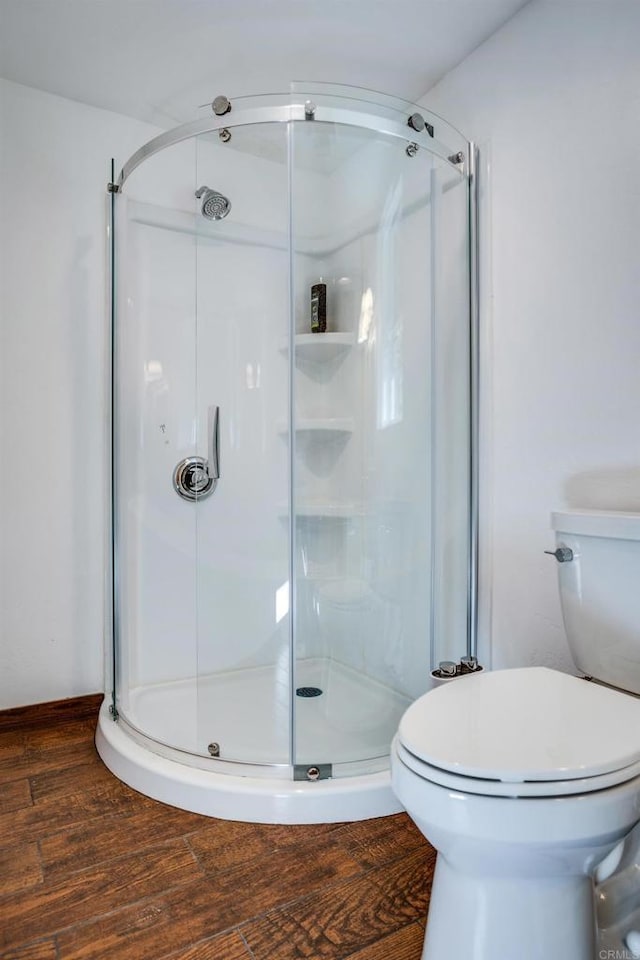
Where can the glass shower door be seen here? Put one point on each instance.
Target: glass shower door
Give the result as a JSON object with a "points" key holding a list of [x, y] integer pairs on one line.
{"points": [[154, 406], [368, 392], [362, 233], [243, 619]]}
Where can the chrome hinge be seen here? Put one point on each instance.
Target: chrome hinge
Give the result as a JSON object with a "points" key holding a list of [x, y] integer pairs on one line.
{"points": [[113, 188]]}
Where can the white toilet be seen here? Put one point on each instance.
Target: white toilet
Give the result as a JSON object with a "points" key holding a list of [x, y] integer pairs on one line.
{"points": [[525, 780]]}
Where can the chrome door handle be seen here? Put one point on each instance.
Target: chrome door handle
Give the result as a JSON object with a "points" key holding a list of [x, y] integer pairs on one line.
{"points": [[213, 461]]}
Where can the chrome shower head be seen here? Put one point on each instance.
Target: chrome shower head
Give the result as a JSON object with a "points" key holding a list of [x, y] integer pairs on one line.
{"points": [[215, 206]]}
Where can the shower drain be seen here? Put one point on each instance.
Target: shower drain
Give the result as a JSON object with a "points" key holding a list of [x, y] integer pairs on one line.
{"points": [[308, 692]]}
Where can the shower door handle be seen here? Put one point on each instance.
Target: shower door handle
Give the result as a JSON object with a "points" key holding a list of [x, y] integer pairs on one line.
{"points": [[213, 462]]}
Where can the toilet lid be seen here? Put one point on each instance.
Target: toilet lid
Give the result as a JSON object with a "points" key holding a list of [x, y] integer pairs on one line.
{"points": [[520, 725]]}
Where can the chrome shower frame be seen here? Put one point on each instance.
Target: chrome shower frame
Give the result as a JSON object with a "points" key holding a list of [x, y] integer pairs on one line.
{"points": [[300, 111]]}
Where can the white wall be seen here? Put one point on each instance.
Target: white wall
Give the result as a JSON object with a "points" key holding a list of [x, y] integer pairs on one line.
{"points": [[554, 96], [554, 99], [54, 166]]}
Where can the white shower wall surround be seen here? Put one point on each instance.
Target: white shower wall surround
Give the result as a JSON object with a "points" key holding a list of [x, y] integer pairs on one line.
{"points": [[227, 605]]}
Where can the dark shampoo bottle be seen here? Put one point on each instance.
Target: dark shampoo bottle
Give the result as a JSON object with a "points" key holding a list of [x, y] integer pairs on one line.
{"points": [[318, 308]]}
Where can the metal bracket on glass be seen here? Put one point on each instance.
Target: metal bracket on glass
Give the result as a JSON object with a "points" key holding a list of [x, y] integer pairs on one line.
{"points": [[195, 478], [418, 123], [113, 188], [221, 105], [319, 771]]}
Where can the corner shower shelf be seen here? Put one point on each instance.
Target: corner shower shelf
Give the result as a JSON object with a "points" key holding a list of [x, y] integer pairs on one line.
{"points": [[320, 347], [320, 425]]}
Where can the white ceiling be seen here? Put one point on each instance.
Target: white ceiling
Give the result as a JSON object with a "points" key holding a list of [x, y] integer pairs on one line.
{"points": [[158, 60]]}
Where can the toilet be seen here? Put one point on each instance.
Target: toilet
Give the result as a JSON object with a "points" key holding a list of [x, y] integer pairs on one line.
{"points": [[526, 781]]}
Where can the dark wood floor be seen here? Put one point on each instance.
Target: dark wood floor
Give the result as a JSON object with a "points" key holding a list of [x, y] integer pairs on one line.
{"points": [[91, 869]]}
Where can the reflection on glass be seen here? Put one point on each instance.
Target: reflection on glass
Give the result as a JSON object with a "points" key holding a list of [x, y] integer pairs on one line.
{"points": [[282, 601], [365, 326]]}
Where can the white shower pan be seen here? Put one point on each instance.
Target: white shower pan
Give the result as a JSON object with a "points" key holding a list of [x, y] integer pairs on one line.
{"points": [[261, 791]]}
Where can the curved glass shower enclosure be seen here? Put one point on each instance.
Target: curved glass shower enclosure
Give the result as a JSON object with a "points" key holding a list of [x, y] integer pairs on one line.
{"points": [[291, 436]]}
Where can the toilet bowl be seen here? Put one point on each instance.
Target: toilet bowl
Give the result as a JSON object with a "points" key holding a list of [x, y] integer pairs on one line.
{"points": [[525, 780], [520, 816]]}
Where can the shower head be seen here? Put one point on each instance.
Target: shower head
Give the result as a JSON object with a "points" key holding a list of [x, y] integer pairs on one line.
{"points": [[215, 206]]}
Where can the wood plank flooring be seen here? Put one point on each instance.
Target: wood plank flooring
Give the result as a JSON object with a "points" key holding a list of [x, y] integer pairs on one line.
{"points": [[90, 869]]}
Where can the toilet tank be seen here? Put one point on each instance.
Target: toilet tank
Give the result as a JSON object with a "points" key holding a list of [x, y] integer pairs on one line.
{"points": [[600, 593]]}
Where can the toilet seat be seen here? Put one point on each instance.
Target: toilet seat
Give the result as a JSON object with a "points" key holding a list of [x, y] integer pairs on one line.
{"points": [[522, 732], [502, 788]]}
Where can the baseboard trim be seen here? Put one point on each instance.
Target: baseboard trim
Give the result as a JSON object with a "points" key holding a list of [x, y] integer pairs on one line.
{"points": [[53, 712]]}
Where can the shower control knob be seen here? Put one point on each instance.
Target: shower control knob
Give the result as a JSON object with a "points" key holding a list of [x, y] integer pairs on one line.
{"points": [[220, 106], [562, 554], [195, 478], [192, 480]]}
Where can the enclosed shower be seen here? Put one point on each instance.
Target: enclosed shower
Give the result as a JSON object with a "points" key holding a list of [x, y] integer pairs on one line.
{"points": [[292, 433]]}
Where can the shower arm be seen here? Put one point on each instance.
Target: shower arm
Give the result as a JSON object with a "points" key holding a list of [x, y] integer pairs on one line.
{"points": [[213, 460]]}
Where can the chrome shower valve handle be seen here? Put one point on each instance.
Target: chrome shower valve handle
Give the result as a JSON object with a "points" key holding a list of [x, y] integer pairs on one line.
{"points": [[213, 432], [195, 478]]}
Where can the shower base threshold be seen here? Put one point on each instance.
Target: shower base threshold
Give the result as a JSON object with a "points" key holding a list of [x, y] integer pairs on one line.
{"points": [[237, 797]]}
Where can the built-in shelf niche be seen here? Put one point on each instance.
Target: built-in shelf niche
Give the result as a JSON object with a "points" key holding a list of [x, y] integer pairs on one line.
{"points": [[320, 347], [324, 427]]}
